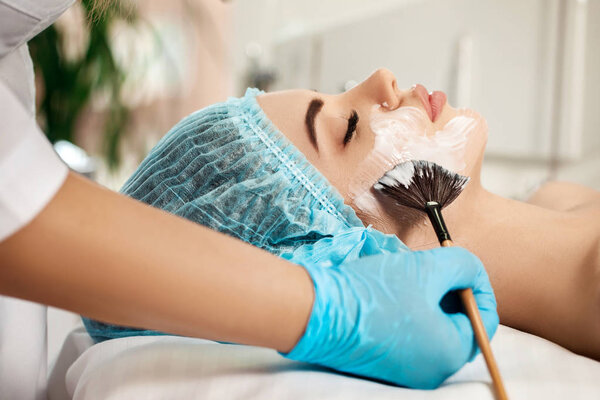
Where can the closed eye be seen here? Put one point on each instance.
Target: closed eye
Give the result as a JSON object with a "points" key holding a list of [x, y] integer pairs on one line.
{"points": [[352, 122]]}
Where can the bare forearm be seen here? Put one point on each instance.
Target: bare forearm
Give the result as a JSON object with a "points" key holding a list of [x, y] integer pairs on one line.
{"points": [[111, 258]]}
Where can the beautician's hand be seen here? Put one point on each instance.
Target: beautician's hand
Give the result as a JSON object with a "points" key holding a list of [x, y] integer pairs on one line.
{"points": [[380, 316]]}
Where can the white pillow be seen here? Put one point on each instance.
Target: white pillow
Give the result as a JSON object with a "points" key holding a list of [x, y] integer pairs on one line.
{"points": [[170, 367]]}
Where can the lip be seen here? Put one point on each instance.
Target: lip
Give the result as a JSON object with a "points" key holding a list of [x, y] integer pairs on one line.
{"points": [[433, 103], [424, 97], [437, 100]]}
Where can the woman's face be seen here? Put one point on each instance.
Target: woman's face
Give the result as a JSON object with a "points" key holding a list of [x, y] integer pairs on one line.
{"points": [[355, 137]]}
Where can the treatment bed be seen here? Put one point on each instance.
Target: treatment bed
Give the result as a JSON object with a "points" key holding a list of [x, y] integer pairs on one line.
{"points": [[171, 367]]}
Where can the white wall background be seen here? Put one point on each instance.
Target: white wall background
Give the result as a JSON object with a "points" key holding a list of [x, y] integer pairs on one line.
{"points": [[531, 67]]}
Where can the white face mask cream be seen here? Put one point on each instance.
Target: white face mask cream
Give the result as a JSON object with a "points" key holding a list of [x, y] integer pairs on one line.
{"points": [[407, 134]]}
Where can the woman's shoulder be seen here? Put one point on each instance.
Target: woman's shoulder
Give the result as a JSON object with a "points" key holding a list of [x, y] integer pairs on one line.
{"points": [[566, 196]]}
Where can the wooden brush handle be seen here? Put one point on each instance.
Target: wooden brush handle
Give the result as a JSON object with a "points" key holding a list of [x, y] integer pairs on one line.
{"points": [[481, 336]]}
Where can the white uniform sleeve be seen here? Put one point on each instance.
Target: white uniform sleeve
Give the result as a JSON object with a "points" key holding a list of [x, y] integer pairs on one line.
{"points": [[30, 171], [30, 175]]}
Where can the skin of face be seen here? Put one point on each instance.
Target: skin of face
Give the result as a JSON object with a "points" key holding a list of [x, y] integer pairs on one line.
{"points": [[340, 163]]}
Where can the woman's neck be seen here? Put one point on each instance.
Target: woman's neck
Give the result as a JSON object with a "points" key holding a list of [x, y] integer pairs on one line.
{"points": [[469, 213]]}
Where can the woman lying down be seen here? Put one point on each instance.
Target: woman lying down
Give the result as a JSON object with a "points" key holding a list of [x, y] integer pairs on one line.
{"points": [[292, 172]]}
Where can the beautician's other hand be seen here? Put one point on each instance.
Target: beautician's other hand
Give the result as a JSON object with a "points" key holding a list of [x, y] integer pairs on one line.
{"points": [[380, 316]]}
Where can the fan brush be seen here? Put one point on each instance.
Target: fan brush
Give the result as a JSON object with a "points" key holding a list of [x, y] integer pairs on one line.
{"points": [[424, 186]]}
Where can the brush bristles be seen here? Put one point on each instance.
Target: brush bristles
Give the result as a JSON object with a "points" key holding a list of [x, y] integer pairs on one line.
{"points": [[428, 182]]}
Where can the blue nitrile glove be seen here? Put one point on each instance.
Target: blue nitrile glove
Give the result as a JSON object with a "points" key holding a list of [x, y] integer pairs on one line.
{"points": [[380, 316]]}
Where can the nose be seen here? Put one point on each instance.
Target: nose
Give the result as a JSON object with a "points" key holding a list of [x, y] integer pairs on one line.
{"points": [[380, 88]]}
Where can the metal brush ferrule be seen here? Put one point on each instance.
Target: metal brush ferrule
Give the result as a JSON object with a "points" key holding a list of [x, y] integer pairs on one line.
{"points": [[434, 211]]}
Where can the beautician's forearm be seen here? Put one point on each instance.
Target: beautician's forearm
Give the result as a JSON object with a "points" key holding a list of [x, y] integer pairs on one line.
{"points": [[106, 256]]}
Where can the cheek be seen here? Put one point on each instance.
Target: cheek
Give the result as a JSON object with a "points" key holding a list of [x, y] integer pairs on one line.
{"points": [[391, 131], [340, 164], [476, 141], [340, 169], [406, 134]]}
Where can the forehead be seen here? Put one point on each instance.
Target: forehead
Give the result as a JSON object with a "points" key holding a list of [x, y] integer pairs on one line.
{"points": [[287, 111], [286, 104]]}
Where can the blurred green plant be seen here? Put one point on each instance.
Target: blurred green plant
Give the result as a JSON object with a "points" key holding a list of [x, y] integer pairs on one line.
{"points": [[69, 84]]}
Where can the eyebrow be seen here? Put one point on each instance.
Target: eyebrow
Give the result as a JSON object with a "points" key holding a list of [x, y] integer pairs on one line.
{"points": [[313, 109]]}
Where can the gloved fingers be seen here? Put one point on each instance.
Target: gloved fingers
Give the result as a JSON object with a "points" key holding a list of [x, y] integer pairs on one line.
{"points": [[463, 325], [456, 268], [451, 303], [469, 348], [486, 303], [464, 270]]}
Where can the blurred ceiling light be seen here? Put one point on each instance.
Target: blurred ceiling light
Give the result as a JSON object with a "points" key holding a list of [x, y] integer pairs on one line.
{"points": [[350, 84], [76, 158], [254, 50]]}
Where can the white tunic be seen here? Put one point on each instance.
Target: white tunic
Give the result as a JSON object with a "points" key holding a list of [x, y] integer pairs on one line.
{"points": [[30, 175]]}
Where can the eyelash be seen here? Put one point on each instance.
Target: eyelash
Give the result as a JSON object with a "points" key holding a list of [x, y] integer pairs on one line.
{"points": [[352, 122]]}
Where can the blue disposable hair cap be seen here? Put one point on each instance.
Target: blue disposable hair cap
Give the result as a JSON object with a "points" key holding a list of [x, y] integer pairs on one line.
{"points": [[229, 168]]}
